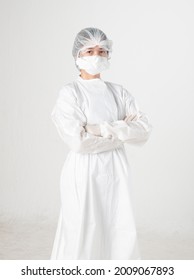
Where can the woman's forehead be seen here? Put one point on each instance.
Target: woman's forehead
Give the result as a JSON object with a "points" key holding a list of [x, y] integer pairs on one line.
{"points": [[96, 47]]}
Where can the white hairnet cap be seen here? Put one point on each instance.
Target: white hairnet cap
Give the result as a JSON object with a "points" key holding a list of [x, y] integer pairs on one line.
{"points": [[90, 37]]}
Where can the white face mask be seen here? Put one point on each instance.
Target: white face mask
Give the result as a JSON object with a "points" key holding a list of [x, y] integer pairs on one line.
{"points": [[93, 64]]}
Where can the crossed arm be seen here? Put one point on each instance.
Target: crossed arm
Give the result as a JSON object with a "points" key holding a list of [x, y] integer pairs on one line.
{"points": [[83, 137], [95, 129]]}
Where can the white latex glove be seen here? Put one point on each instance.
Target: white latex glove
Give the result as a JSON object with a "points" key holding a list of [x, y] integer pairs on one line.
{"points": [[93, 129], [130, 118]]}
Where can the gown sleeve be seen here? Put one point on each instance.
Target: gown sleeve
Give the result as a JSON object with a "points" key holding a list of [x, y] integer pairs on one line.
{"points": [[134, 132], [70, 120]]}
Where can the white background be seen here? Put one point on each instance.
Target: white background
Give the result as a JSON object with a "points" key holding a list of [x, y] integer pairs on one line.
{"points": [[152, 57]]}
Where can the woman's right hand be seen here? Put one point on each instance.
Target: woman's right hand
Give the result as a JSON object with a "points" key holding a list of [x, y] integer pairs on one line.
{"points": [[130, 118]]}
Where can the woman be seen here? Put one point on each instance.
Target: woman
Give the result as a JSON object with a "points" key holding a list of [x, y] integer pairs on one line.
{"points": [[95, 118]]}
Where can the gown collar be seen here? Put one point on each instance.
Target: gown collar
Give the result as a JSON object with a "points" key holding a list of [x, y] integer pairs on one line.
{"points": [[79, 78]]}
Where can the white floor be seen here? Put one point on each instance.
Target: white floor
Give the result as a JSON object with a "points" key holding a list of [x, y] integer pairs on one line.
{"points": [[33, 240]]}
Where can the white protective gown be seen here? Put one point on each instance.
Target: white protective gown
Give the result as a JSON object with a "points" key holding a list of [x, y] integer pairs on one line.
{"points": [[96, 218]]}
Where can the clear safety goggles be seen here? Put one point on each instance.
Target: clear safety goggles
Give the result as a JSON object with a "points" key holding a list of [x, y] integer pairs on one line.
{"points": [[91, 51]]}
